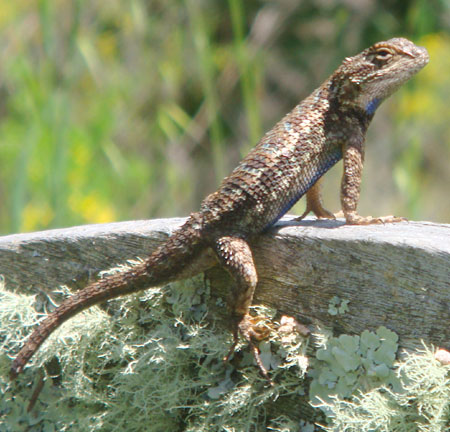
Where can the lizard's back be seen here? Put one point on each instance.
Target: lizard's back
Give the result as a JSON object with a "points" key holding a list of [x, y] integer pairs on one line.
{"points": [[287, 161]]}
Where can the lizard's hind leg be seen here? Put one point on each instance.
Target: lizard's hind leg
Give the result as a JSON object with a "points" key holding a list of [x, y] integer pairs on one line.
{"points": [[314, 203], [236, 257]]}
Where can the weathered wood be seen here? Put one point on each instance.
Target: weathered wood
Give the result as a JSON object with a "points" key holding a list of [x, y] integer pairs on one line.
{"points": [[396, 275], [72, 256]]}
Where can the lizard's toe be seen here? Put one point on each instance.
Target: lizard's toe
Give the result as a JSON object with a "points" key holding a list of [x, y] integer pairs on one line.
{"points": [[252, 328], [356, 219]]}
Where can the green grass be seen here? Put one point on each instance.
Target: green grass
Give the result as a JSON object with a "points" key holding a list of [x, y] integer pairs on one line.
{"points": [[138, 109]]}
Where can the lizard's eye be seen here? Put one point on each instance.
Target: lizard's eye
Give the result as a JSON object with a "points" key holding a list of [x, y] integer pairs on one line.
{"points": [[383, 54], [381, 57]]}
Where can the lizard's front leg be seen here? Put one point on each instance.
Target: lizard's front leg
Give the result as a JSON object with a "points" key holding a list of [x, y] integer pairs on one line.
{"points": [[236, 257], [351, 181]]}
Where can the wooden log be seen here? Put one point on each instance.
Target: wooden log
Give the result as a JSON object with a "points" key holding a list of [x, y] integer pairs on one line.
{"points": [[396, 275]]}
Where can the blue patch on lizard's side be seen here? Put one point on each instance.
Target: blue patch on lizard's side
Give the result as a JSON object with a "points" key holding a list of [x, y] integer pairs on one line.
{"points": [[372, 106], [327, 164]]}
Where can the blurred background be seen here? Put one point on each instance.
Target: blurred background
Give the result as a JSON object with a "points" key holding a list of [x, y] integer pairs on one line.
{"points": [[137, 109]]}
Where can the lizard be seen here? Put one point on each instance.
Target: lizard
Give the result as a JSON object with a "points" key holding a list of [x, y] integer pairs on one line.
{"points": [[286, 164]]}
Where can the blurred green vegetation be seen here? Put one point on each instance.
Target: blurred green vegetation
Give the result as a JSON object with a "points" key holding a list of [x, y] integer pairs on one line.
{"points": [[136, 109]]}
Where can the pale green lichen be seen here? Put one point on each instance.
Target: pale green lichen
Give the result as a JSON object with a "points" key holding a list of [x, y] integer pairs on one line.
{"points": [[361, 388], [421, 405], [349, 363], [337, 306], [153, 362]]}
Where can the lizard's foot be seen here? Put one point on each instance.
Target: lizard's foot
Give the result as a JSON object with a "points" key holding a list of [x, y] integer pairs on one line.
{"points": [[318, 210], [356, 219], [314, 204], [251, 328]]}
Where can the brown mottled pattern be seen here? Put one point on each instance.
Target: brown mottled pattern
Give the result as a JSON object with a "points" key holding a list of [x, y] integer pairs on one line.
{"points": [[287, 163]]}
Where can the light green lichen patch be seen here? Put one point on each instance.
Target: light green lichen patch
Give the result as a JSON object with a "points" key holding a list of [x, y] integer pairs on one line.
{"points": [[337, 306], [153, 362], [348, 363], [150, 362], [361, 388], [422, 404]]}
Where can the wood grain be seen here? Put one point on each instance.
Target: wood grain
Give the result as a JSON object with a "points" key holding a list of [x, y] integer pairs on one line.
{"points": [[396, 275]]}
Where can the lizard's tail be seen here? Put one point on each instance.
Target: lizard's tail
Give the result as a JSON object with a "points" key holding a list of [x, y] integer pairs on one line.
{"points": [[165, 264]]}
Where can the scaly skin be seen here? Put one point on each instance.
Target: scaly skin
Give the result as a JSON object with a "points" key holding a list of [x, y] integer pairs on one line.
{"points": [[327, 126]]}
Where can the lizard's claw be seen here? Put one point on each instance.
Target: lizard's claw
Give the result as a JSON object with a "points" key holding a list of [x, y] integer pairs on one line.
{"points": [[319, 211], [314, 204], [251, 328]]}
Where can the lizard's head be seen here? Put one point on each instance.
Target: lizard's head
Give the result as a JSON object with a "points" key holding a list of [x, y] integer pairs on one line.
{"points": [[380, 70]]}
